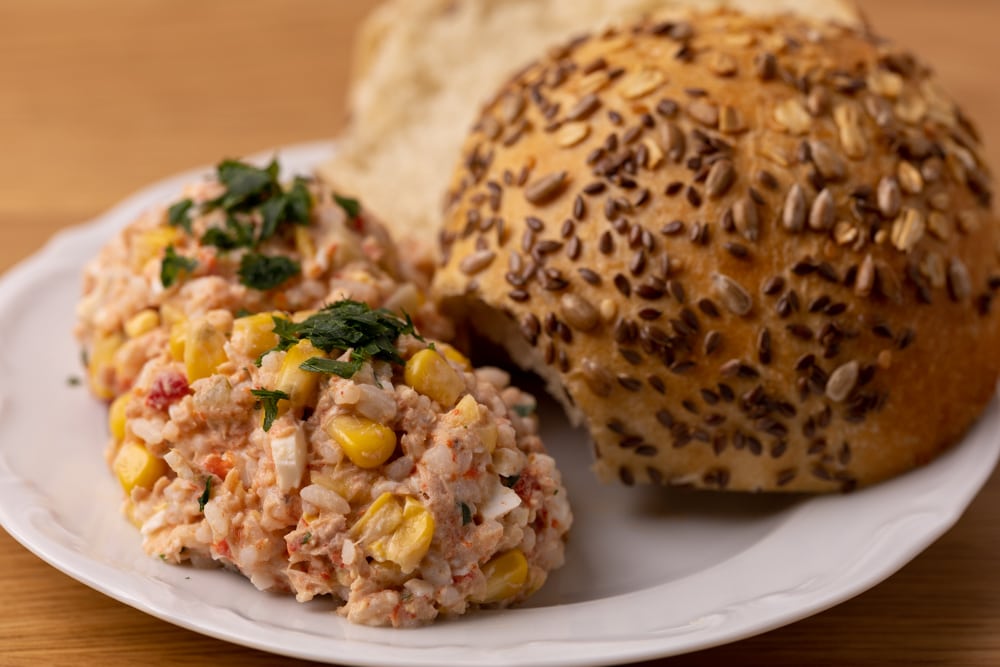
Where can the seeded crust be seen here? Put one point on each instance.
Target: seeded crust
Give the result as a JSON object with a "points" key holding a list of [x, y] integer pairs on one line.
{"points": [[748, 254], [423, 67]]}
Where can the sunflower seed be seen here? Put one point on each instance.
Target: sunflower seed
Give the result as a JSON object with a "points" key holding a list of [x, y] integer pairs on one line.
{"points": [[848, 120], [546, 188], [792, 116], [720, 178], [703, 112], [586, 105], [959, 284], [908, 229], [641, 83], [865, 280], [793, 213], [909, 178], [842, 381], [732, 294], [571, 134], [889, 197], [746, 219], [830, 165], [476, 262], [821, 215]]}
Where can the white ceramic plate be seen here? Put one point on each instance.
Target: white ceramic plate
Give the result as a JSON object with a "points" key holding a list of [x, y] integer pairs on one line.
{"points": [[649, 572]]}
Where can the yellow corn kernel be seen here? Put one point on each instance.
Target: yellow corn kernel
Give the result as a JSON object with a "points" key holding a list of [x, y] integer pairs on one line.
{"points": [[453, 355], [367, 444], [468, 416], [142, 322], [304, 243], [410, 542], [204, 349], [299, 384], [389, 532], [254, 334], [130, 514], [100, 363], [175, 343], [380, 519], [429, 373], [135, 466], [506, 575], [488, 436], [152, 243], [116, 416], [344, 480], [171, 314]]}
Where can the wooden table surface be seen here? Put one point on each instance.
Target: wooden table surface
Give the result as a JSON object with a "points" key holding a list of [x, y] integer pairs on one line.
{"points": [[98, 98]]}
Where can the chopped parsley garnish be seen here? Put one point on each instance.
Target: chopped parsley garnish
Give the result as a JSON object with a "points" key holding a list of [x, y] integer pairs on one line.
{"points": [[266, 272], [247, 186], [509, 481], [73, 380], [345, 325], [205, 495], [345, 369], [306, 538], [466, 514], [351, 206], [524, 410], [172, 266], [236, 235], [293, 206], [268, 399], [180, 214], [250, 190]]}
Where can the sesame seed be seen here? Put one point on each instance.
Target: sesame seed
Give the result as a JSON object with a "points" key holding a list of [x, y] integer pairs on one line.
{"points": [[773, 286]]}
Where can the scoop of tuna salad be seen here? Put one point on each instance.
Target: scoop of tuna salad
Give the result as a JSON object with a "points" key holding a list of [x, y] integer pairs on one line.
{"points": [[305, 432]]}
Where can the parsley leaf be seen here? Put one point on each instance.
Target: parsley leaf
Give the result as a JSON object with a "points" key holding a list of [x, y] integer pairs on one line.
{"points": [[345, 325], [236, 235], [247, 186], [293, 206], [509, 481], [344, 369], [268, 399], [206, 495], [180, 214], [466, 514], [266, 272], [305, 538], [524, 410], [351, 206], [172, 266]]}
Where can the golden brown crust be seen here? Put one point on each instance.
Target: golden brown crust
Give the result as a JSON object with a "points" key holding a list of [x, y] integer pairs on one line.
{"points": [[760, 257]]}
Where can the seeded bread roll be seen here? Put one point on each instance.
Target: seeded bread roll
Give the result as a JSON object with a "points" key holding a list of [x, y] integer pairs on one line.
{"points": [[423, 67], [748, 254]]}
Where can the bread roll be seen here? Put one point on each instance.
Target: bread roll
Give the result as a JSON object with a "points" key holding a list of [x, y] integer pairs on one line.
{"points": [[748, 254], [423, 67]]}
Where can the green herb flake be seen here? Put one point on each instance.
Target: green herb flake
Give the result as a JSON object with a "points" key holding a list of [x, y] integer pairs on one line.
{"points": [[236, 234], [173, 265], [74, 380], [179, 215], [268, 400], [344, 369], [466, 514], [246, 186], [264, 272], [351, 206], [509, 481], [306, 538], [163, 557], [205, 495], [524, 410]]}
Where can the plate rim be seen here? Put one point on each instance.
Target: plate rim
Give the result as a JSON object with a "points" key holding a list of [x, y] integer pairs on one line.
{"points": [[29, 269]]}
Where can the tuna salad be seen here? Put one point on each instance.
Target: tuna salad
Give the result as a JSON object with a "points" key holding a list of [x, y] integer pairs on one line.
{"points": [[279, 407]]}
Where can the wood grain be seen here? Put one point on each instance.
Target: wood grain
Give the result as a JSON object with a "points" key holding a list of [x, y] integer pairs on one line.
{"points": [[102, 97]]}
